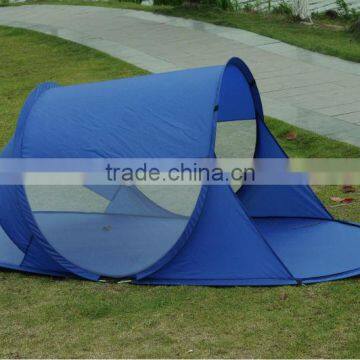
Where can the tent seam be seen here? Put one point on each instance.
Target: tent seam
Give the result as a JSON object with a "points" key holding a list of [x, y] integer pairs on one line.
{"points": [[259, 117], [199, 207], [21, 198]]}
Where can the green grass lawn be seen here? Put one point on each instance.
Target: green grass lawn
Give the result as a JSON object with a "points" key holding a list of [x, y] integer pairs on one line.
{"points": [[45, 317], [319, 37], [325, 36]]}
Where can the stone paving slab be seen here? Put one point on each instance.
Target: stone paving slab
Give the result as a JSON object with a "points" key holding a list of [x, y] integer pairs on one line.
{"points": [[310, 90], [351, 117]]}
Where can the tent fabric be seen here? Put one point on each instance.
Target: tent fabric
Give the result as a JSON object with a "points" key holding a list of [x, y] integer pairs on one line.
{"points": [[225, 247], [235, 99], [10, 253], [278, 200], [127, 249], [309, 246], [261, 235], [130, 200]]}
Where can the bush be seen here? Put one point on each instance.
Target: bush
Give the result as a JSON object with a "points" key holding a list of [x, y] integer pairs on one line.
{"points": [[168, 2], [282, 8], [355, 28], [219, 4], [250, 6], [342, 7], [225, 4], [345, 11], [4, 2]]}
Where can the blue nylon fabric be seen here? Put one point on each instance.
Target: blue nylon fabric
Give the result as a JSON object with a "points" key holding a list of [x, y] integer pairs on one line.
{"points": [[216, 282], [273, 200], [18, 251], [340, 276], [278, 200], [235, 99], [38, 260], [225, 248], [10, 217], [207, 260], [260, 236], [81, 236], [106, 191], [131, 201], [116, 119], [33, 270], [147, 116], [15, 214], [313, 248], [9, 252], [8, 149]]}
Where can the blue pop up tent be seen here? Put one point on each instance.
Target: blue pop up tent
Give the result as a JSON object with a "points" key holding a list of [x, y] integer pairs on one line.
{"points": [[259, 235]]}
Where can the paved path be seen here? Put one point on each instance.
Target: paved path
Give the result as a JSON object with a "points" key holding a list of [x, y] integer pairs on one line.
{"points": [[313, 91]]}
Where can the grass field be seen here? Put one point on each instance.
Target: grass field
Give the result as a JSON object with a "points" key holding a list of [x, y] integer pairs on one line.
{"points": [[45, 317], [326, 36]]}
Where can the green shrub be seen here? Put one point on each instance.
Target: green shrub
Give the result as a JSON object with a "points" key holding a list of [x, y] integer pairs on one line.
{"points": [[168, 2], [4, 2], [220, 4], [345, 11], [342, 7], [131, 1], [251, 6], [355, 28], [282, 8], [225, 4]]}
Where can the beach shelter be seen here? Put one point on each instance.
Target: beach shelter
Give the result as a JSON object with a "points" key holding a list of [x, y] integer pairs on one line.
{"points": [[258, 235]]}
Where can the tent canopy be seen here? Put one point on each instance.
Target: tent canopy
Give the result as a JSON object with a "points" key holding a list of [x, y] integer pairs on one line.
{"points": [[208, 235]]}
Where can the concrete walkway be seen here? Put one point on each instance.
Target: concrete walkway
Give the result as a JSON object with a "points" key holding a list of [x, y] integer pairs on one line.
{"points": [[313, 91]]}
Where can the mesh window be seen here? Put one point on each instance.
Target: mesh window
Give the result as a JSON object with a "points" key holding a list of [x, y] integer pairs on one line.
{"points": [[236, 140], [112, 230], [10, 254]]}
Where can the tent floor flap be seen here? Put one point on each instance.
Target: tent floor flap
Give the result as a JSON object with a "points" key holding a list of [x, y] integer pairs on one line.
{"points": [[313, 248]]}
